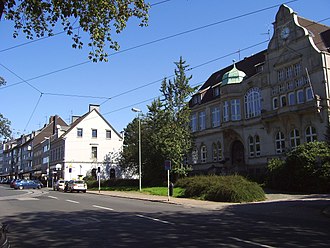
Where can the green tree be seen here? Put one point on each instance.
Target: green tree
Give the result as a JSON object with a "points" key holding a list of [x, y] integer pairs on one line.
{"points": [[169, 116], [165, 131], [97, 18], [5, 131]]}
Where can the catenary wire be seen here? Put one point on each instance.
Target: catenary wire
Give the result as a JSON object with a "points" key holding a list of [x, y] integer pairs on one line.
{"points": [[158, 40]]}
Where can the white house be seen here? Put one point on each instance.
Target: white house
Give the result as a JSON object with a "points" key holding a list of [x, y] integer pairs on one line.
{"points": [[90, 144]]}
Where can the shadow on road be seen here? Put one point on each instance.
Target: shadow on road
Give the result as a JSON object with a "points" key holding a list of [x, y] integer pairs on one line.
{"points": [[275, 224]]}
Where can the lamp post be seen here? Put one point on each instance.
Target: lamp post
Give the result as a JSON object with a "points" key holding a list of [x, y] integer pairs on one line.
{"points": [[139, 112]]}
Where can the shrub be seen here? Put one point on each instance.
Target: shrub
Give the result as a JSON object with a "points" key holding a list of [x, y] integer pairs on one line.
{"points": [[113, 183], [306, 169], [221, 188]]}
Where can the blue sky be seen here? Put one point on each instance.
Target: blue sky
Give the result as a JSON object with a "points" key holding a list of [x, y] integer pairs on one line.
{"points": [[132, 78]]}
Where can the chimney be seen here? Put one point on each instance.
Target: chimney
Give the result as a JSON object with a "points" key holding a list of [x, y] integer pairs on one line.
{"points": [[94, 106]]}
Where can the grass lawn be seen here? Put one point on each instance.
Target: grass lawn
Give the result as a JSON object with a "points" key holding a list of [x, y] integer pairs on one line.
{"points": [[177, 192]]}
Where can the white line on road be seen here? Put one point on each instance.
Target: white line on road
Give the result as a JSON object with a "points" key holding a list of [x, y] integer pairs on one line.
{"points": [[53, 197], [95, 206], [251, 242], [27, 199], [72, 201], [154, 219]]}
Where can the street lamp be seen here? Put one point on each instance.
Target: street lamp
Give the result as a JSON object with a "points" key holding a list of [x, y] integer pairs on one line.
{"points": [[139, 112]]}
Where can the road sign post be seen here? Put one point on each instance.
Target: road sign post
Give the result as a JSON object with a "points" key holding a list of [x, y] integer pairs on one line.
{"points": [[168, 166]]}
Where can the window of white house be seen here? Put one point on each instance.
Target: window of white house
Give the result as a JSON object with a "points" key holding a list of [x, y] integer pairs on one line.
{"points": [[252, 101], [194, 156], [202, 120], [310, 134], [251, 146], [203, 154], [94, 133], [275, 102], [281, 88], [300, 82], [219, 151], [194, 122], [108, 134], [292, 98], [279, 143], [94, 152], [283, 100], [79, 132], [215, 152], [300, 96], [294, 138], [225, 111], [309, 94], [297, 69], [257, 143], [235, 110], [215, 116]]}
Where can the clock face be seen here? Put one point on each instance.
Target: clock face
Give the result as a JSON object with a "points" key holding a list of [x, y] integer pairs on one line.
{"points": [[285, 32]]}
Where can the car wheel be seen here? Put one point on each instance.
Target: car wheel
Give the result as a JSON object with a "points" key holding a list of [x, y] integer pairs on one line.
{"points": [[84, 191], [21, 187]]}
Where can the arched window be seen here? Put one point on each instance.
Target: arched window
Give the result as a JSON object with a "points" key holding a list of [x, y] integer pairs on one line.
{"points": [[279, 143], [257, 143], [219, 151], [251, 146], [310, 134], [215, 152], [294, 138], [203, 154], [252, 101]]}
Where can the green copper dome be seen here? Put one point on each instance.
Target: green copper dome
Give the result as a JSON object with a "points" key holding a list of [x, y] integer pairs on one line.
{"points": [[234, 76]]}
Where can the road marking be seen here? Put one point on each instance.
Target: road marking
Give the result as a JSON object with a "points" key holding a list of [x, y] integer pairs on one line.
{"points": [[72, 201], [95, 206], [53, 197], [27, 199], [251, 242], [154, 219]]}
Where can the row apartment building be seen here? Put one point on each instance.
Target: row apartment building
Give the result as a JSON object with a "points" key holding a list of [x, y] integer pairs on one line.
{"points": [[59, 150], [266, 104]]}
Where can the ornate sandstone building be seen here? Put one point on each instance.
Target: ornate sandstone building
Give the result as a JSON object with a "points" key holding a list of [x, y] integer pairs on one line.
{"points": [[262, 106]]}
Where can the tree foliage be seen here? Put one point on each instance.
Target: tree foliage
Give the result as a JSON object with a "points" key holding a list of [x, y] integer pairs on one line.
{"points": [[5, 131], [97, 18], [165, 131], [305, 169]]}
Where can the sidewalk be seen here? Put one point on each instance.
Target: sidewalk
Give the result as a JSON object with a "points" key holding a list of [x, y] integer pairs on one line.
{"points": [[210, 205]]}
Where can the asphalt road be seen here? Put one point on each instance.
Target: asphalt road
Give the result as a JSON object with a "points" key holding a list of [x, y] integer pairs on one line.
{"points": [[42, 218]]}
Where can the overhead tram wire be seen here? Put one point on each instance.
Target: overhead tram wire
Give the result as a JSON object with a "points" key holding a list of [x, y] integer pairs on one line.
{"points": [[34, 110], [157, 40]]}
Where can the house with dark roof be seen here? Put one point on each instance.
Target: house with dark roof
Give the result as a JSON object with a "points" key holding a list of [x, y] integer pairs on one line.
{"points": [[262, 106]]}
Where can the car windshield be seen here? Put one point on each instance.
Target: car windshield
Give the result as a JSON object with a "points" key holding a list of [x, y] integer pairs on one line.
{"points": [[78, 181]]}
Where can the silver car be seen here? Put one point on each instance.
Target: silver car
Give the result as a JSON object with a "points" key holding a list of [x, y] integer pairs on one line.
{"points": [[76, 185]]}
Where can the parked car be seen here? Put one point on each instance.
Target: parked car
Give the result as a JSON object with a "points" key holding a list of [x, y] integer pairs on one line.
{"points": [[76, 185], [13, 182], [59, 185], [26, 184]]}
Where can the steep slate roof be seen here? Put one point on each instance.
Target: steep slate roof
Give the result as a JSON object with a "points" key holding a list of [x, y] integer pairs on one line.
{"points": [[319, 33], [247, 65]]}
